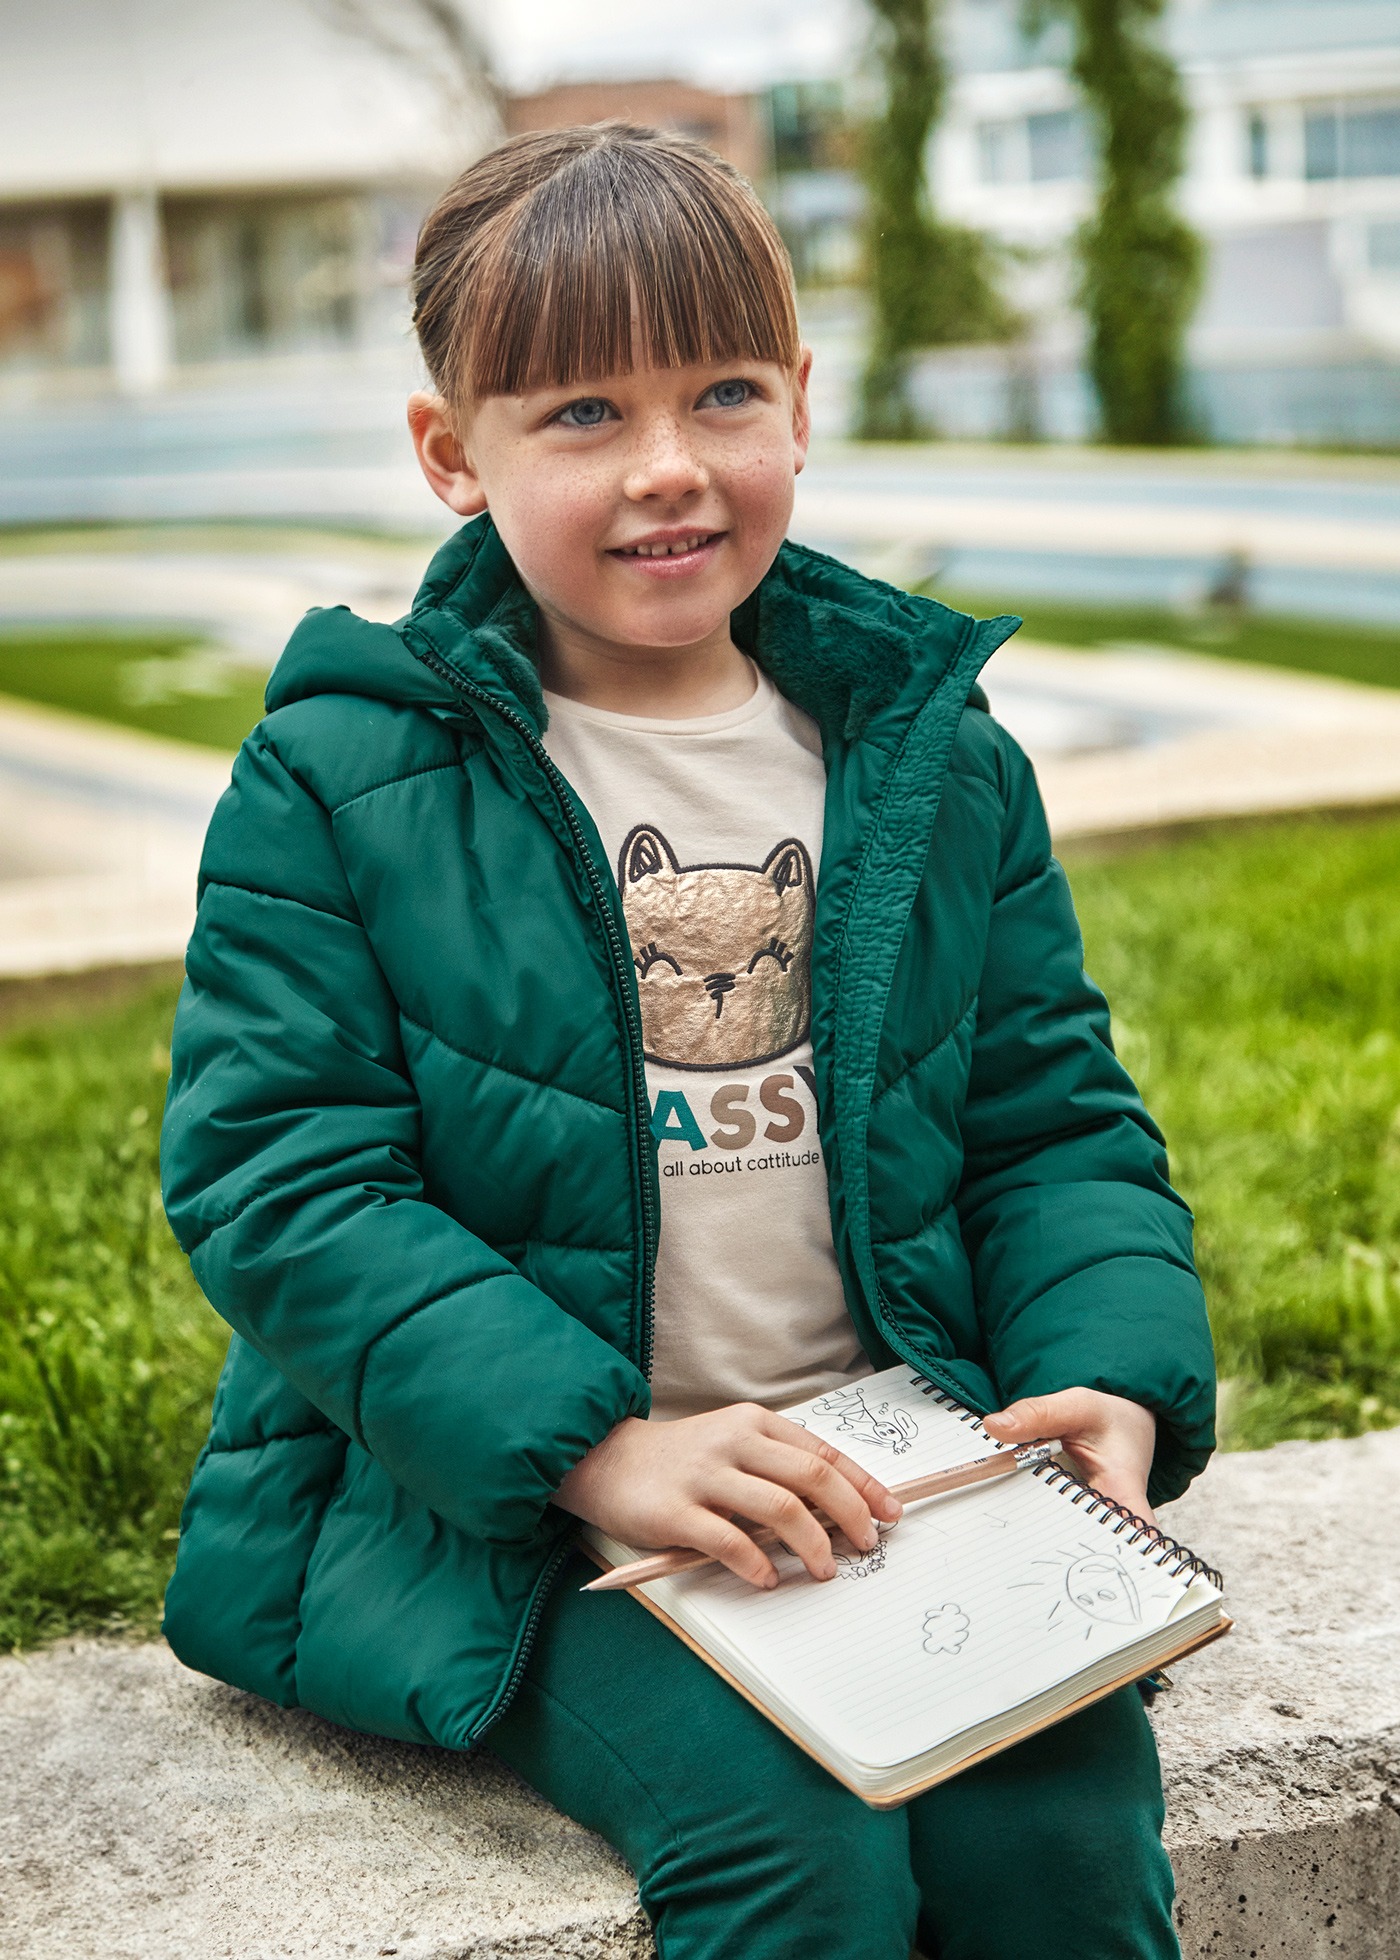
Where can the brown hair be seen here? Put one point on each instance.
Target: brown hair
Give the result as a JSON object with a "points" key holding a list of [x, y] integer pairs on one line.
{"points": [[531, 267]]}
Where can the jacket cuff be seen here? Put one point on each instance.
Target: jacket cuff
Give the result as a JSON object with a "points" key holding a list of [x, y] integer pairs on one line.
{"points": [[1129, 1326]]}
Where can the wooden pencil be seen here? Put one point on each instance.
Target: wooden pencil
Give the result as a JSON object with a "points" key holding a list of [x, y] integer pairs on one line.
{"points": [[981, 1470]]}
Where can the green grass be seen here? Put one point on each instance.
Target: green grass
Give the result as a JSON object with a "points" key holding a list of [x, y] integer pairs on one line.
{"points": [[163, 683], [1255, 976], [108, 1354], [1354, 653], [1255, 979]]}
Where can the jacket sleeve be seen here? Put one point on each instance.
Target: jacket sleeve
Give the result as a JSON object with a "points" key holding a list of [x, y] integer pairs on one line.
{"points": [[290, 1164], [1081, 1250]]}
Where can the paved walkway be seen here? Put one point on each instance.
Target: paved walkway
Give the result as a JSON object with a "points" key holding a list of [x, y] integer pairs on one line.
{"points": [[100, 828], [101, 834], [1139, 737]]}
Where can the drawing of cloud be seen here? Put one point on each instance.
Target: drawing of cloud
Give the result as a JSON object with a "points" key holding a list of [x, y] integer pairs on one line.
{"points": [[945, 1629]]}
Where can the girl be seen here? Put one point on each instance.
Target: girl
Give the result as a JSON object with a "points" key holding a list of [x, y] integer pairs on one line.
{"points": [[629, 994]]}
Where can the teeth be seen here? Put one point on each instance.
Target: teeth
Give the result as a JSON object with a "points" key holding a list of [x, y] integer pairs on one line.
{"points": [[676, 550]]}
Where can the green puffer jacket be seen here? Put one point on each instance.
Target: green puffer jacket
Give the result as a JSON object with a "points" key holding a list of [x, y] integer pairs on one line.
{"points": [[407, 1144]]}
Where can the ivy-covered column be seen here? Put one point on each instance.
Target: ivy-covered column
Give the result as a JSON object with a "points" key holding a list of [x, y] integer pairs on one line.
{"points": [[930, 283], [1140, 263]]}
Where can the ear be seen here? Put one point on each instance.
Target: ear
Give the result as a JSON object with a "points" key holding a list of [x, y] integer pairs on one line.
{"points": [[442, 455], [801, 411], [788, 865], [644, 853]]}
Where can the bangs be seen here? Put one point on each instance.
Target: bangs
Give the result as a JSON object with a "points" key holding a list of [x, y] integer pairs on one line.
{"points": [[640, 250]]}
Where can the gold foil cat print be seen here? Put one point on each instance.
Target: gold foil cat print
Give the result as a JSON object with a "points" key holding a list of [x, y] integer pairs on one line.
{"points": [[723, 952]]}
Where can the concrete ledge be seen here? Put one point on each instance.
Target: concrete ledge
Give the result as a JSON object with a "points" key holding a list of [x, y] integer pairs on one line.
{"points": [[150, 1814], [1281, 1744]]}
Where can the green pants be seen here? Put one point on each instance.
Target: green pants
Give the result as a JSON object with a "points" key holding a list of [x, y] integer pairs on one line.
{"points": [[745, 1849]]}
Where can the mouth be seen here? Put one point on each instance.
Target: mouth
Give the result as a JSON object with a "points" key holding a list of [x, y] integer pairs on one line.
{"points": [[669, 553]]}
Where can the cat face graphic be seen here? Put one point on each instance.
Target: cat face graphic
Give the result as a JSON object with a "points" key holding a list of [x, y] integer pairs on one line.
{"points": [[723, 952]]}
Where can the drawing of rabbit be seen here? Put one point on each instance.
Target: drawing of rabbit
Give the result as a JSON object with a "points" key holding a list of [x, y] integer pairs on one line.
{"points": [[885, 1427]]}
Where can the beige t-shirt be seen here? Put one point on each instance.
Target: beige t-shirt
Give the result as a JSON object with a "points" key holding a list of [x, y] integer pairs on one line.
{"points": [[714, 830]]}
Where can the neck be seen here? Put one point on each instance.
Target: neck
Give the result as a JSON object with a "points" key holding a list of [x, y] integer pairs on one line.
{"points": [[665, 683]]}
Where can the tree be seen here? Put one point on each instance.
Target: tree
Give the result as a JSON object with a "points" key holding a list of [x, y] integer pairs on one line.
{"points": [[1140, 263], [931, 283], [436, 39]]}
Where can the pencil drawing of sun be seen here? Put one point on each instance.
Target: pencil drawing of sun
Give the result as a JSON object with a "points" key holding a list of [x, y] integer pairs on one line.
{"points": [[1091, 1588]]}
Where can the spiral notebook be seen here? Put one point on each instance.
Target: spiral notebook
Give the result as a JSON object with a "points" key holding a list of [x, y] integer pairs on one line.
{"points": [[984, 1615]]}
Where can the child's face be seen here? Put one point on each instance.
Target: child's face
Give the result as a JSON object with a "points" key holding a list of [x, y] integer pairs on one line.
{"points": [[640, 509]]}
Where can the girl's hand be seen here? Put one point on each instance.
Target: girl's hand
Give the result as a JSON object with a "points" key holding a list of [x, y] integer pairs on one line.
{"points": [[684, 1483], [1109, 1439]]}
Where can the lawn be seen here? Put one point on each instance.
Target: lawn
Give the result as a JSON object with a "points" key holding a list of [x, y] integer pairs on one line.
{"points": [[1255, 973], [164, 683], [107, 1352]]}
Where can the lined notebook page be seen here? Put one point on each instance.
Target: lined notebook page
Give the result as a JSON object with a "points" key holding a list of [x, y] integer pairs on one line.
{"points": [[975, 1603]]}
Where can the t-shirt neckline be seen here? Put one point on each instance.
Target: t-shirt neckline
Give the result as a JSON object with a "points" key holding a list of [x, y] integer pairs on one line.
{"points": [[560, 706]]}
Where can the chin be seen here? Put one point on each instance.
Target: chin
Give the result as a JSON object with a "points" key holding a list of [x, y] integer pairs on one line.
{"points": [[665, 626]]}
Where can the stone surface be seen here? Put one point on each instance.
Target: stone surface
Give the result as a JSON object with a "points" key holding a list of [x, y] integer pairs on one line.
{"points": [[1281, 1744], [151, 1814]]}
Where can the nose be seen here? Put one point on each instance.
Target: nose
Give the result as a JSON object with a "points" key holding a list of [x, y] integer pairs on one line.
{"points": [[666, 465], [717, 985]]}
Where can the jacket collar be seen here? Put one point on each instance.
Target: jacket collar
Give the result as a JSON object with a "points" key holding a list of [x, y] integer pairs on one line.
{"points": [[859, 656]]}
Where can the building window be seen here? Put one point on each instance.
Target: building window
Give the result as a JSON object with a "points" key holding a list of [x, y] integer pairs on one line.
{"points": [[1050, 147], [53, 286], [1258, 145], [1350, 140], [1383, 247], [1058, 151], [265, 275]]}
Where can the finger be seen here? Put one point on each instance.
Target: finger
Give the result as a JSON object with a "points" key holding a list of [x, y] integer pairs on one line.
{"points": [[1119, 1486], [1067, 1413], [820, 1482], [720, 1538], [876, 1495], [772, 1504]]}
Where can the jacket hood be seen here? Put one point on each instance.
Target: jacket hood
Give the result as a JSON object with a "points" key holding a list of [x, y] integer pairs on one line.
{"points": [[843, 647]]}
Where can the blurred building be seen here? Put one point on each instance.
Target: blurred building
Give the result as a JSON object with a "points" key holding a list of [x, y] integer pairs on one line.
{"points": [[734, 126], [815, 190], [192, 191], [1293, 180]]}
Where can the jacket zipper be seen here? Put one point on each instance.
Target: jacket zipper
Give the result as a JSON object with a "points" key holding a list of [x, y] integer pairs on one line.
{"points": [[650, 1204]]}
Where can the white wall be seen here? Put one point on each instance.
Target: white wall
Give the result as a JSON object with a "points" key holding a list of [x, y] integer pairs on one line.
{"points": [[103, 95]]}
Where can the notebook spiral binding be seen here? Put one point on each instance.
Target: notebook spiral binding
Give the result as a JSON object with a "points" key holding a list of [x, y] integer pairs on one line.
{"points": [[1169, 1553], [952, 1404]]}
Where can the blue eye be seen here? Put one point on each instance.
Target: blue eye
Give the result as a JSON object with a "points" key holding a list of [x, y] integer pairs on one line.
{"points": [[729, 394], [589, 413]]}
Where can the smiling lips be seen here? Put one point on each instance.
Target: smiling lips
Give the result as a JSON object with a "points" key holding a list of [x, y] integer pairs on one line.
{"points": [[676, 553]]}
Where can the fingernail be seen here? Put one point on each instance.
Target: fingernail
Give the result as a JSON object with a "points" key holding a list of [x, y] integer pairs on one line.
{"points": [[870, 1540], [828, 1570], [892, 1509], [770, 1582]]}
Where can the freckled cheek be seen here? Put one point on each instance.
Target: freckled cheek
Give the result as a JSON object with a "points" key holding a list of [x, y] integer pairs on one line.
{"points": [[759, 493], [553, 528]]}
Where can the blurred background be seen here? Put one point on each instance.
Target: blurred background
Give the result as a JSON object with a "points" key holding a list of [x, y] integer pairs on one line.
{"points": [[1105, 303]]}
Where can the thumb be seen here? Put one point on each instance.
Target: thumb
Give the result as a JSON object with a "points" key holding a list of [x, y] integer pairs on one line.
{"points": [[1036, 1418], [1023, 1421]]}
